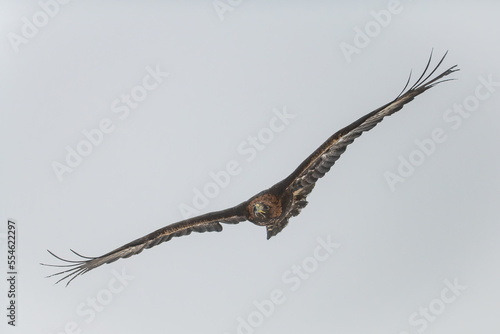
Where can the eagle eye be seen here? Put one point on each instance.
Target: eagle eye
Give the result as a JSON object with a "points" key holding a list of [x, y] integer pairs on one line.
{"points": [[260, 209]]}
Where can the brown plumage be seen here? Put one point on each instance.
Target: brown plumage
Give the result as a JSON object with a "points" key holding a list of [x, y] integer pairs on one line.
{"points": [[273, 207]]}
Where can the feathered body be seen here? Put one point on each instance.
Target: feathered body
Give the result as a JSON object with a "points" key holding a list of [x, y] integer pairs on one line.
{"points": [[273, 207]]}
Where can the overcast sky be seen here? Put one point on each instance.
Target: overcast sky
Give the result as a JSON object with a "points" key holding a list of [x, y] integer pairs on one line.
{"points": [[121, 117]]}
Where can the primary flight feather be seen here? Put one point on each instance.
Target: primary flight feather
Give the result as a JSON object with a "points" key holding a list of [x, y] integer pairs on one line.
{"points": [[273, 207]]}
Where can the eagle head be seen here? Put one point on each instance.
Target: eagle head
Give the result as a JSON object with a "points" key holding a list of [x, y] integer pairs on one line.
{"points": [[264, 208]]}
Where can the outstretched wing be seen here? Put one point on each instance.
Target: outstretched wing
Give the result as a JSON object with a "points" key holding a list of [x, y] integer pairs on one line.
{"points": [[303, 179], [205, 223]]}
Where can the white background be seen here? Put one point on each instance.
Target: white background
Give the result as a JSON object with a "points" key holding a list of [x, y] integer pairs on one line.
{"points": [[397, 248]]}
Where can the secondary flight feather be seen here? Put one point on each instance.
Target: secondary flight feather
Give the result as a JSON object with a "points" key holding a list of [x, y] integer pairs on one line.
{"points": [[272, 207]]}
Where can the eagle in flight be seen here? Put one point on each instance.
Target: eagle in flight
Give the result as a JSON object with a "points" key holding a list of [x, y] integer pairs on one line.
{"points": [[272, 207]]}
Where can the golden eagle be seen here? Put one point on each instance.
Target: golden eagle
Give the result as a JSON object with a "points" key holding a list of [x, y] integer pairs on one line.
{"points": [[272, 207]]}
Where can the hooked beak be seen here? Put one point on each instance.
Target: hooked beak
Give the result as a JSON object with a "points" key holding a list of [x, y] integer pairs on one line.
{"points": [[259, 210]]}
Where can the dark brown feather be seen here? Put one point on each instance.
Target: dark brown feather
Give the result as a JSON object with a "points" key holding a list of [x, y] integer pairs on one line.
{"points": [[210, 222], [302, 180]]}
